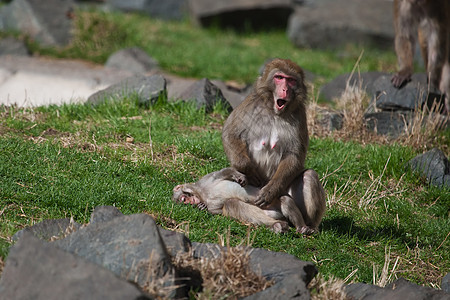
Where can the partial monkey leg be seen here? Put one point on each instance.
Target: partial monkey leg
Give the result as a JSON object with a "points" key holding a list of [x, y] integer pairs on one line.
{"points": [[245, 212], [309, 197]]}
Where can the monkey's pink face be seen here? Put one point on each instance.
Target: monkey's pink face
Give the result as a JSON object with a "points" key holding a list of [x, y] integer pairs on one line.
{"points": [[183, 194], [284, 90]]}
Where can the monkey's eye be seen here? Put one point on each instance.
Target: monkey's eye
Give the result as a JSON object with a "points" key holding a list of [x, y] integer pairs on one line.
{"points": [[291, 80], [279, 77]]}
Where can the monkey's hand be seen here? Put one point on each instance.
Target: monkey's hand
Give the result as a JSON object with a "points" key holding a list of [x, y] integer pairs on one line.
{"points": [[266, 197]]}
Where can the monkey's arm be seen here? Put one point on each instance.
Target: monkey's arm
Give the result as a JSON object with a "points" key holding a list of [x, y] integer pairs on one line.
{"points": [[237, 152], [289, 168], [232, 174]]}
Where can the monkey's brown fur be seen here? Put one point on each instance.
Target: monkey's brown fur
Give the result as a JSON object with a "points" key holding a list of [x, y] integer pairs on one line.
{"points": [[430, 21], [266, 138], [269, 147], [226, 192]]}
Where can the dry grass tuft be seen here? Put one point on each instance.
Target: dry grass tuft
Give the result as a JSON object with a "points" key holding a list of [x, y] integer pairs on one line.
{"points": [[424, 267], [331, 289], [68, 231], [159, 287], [386, 275], [353, 103], [229, 275], [423, 128]]}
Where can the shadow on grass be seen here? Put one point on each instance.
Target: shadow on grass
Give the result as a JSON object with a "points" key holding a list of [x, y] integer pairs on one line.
{"points": [[345, 226]]}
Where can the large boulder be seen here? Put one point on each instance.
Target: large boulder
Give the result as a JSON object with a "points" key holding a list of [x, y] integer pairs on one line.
{"points": [[335, 88], [241, 14], [291, 276], [204, 93], [414, 95], [388, 123], [434, 166], [49, 22], [398, 290], [147, 89], [130, 246], [39, 270], [335, 23]]}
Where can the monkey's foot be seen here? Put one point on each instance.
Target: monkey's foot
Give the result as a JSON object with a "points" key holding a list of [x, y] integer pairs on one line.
{"points": [[306, 230], [280, 227], [399, 80]]}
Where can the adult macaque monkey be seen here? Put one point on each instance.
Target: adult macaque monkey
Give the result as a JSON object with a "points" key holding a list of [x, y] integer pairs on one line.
{"points": [[430, 21], [266, 138], [227, 192]]}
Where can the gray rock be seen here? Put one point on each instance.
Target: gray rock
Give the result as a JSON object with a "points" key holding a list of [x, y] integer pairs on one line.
{"points": [[204, 93], [410, 97], [398, 290], [362, 290], [445, 284], [333, 90], [148, 89], [233, 97], [291, 275], [241, 14], [177, 88], [332, 24], [103, 214], [13, 46], [434, 166], [391, 124], [49, 23], [329, 120], [133, 59], [167, 9], [175, 242], [48, 229], [38, 270], [130, 246], [177, 85]]}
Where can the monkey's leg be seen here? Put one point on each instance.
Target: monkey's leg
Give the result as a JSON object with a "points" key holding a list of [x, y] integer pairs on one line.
{"points": [[245, 212], [445, 85], [405, 31], [436, 56], [423, 37], [292, 213], [309, 197]]}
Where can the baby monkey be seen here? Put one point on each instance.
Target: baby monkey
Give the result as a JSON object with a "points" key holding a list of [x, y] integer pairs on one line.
{"points": [[226, 192]]}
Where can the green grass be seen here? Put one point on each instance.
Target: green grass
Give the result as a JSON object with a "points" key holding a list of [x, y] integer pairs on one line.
{"points": [[63, 161], [184, 49]]}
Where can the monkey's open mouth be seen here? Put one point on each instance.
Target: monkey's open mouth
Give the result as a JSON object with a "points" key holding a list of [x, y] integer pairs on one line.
{"points": [[280, 103]]}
